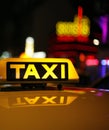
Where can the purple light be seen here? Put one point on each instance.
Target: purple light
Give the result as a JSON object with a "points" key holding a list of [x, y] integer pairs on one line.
{"points": [[103, 71], [104, 90], [103, 22], [99, 94]]}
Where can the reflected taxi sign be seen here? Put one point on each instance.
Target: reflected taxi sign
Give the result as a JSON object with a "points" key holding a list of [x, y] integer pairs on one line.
{"points": [[37, 70]]}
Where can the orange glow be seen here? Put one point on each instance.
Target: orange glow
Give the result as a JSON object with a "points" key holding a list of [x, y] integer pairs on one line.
{"points": [[24, 55], [82, 57], [74, 91]]}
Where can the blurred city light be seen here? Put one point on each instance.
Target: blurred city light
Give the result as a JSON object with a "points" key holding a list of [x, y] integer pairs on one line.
{"points": [[96, 42], [40, 54], [103, 23], [29, 46], [104, 62], [78, 30], [92, 61], [6, 54]]}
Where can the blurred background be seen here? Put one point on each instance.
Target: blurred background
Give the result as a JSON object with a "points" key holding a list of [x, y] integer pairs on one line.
{"points": [[75, 29]]}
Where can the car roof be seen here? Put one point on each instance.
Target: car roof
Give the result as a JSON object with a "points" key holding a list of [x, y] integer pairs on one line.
{"points": [[70, 108]]}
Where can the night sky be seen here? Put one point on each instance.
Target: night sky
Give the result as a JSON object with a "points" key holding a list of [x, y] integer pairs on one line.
{"points": [[37, 18]]}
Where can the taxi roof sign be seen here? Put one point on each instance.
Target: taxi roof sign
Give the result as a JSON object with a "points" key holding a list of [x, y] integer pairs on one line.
{"points": [[36, 70]]}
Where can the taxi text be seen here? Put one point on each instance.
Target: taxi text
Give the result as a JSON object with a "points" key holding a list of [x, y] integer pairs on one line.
{"points": [[43, 101], [37, 71]]}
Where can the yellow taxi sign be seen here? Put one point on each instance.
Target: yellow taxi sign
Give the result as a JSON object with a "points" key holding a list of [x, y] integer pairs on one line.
{"points": [[37, 70]]}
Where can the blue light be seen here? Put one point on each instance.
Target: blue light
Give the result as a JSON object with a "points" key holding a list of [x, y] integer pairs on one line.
{"points": [[103, 62]]}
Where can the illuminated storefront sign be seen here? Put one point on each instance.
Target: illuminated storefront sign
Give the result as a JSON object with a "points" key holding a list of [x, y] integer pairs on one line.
{"points": [[78, 30]]}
